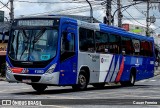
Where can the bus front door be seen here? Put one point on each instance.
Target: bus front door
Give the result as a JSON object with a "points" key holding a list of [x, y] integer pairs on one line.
{"points": [[68, 58]]}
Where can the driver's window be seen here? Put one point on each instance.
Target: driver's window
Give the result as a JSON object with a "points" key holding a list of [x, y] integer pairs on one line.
{"points": [[68, 43]]}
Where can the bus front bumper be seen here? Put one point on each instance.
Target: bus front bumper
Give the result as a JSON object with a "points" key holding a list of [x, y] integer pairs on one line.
{"points": [[52, 78]]}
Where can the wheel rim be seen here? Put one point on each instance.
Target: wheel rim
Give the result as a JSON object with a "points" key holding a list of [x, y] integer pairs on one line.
{"points": [[82, 80], [132, 79]]}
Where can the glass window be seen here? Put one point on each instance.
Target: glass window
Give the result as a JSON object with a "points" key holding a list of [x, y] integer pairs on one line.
{"points": [[150, 49], [33, 45], [86, 40], [101, 42], [144, 48], [114, 42], [136, 46], [126, 45], [68, 44]]}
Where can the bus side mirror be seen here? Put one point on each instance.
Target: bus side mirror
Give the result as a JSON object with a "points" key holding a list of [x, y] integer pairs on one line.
{"points": [[3, 36], [69, 37]]}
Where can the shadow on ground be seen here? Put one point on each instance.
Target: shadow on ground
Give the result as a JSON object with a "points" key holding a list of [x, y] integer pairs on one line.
{"points": [[70, 90]]}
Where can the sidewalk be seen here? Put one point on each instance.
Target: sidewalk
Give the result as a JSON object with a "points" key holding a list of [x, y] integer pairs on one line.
{"points": [[157, 72], [2, 78]]}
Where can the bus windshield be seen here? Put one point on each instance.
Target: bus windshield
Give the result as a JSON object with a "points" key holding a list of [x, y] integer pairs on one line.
{"points": [[33, 44]]}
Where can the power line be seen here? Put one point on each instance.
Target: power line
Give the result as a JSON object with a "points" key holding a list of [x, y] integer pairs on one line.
{"points": [[64, 10], [134, 18], [54, 2], [4, 5]]}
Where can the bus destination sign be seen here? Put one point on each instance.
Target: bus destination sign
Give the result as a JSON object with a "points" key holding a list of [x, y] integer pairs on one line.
{"points": [[35, 22]]}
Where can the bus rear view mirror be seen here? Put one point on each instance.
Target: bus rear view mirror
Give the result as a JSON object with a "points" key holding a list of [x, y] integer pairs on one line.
{"points": [[69, 37], [3, 36]]}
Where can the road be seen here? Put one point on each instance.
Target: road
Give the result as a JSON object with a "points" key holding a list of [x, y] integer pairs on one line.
{"points": [[145, 89]]}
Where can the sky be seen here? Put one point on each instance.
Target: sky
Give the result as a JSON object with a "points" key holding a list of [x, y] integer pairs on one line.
{"points": [[23, 8]]}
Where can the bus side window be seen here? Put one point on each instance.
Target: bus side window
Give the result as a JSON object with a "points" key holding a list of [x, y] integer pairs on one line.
{"points": [[114, 43], [86, 40], [67, 45], [150, 49], [67, 42], [101, 40], [136, 46], [126, 45]]}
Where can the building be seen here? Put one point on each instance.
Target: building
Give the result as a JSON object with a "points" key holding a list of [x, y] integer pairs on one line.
{"points": [[136, 29]]}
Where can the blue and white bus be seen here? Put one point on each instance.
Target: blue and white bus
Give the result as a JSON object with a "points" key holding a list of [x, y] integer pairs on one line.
{"points": [[52, 50]]}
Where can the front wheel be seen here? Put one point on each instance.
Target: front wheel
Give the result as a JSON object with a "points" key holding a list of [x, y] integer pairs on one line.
{"points": [[82, 81], [39, 87]]}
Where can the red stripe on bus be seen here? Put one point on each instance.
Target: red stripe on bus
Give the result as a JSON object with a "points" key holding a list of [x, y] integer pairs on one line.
{"points": [[120, 71]]}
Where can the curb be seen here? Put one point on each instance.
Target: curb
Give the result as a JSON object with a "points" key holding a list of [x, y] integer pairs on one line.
{"points": [[156, 73], [2, 79]]}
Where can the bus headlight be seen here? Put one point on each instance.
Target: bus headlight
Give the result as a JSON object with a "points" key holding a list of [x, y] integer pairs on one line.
{"points": [[51, 69]]}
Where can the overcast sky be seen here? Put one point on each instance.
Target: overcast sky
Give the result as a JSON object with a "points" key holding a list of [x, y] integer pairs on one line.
{"points": [[137, 12]]}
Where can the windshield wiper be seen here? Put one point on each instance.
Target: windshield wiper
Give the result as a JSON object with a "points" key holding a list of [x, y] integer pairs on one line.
{"points": [[17, 44], [27, 38], [36, 38]]}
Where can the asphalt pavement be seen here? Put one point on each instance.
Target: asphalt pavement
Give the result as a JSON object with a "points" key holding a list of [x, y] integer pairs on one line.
{"points": [[111, 96]]}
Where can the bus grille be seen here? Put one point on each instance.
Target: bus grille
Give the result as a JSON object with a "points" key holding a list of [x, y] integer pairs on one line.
{"points": [[32, 78]]}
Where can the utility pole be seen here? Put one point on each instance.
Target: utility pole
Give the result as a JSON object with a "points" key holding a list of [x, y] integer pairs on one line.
{"points": [[119, 13], [147, 19], [108, 12], [11, 11]]}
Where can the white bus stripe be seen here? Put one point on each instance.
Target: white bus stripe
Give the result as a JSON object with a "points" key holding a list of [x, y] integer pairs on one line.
{"points": [[116, 70], [111, 70]]}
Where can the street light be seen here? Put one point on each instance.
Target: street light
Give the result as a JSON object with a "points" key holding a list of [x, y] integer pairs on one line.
{"points": [[91, 11]]}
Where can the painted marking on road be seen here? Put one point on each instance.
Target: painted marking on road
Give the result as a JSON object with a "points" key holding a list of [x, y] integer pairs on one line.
{"points": [[63, 97], [142, 81], [152, 80], [12, 90], [55, 106]]}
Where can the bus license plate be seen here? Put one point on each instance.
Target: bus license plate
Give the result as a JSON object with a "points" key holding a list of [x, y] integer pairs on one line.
{"points": [[26, 80]]}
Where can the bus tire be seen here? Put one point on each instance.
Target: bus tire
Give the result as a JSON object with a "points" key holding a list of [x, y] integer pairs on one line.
{"points": [[39, 87], [82, 81], [99, 85], [131, 81]]}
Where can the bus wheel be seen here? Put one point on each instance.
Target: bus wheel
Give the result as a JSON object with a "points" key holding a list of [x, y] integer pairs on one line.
{"points": [[39, 87], [82, 81], [99, 85], [131, 81]]}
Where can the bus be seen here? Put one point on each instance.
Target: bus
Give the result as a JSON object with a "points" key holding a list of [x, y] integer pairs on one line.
{"points": [[61, 51]]}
